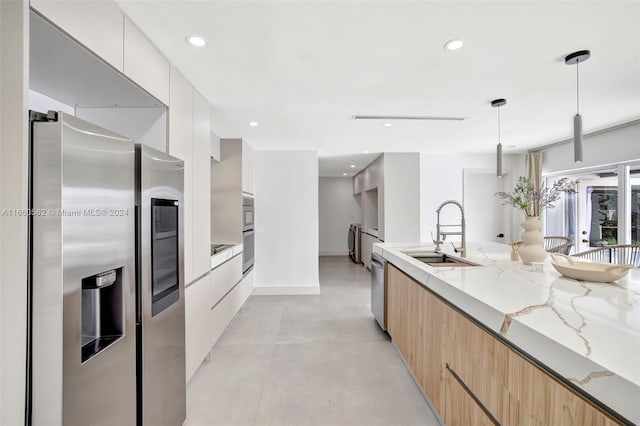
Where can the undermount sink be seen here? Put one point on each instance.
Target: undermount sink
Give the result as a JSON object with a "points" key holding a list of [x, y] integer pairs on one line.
{"points": [[433, 258]]}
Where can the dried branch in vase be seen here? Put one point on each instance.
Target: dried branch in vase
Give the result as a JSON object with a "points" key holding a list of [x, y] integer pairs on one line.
{"points": [[531, 201]]}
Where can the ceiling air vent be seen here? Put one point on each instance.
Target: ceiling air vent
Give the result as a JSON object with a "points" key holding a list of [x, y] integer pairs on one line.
{"points": [[406, 117]]}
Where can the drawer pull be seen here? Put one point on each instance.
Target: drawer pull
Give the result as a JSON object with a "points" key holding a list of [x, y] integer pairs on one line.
{"points": [[473, 396]]}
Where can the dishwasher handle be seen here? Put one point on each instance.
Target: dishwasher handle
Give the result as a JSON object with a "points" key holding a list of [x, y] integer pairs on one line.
{"points": [[377, 259]]}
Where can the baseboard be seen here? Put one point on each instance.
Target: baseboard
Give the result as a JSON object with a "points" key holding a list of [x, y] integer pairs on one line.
{"points": [[334, 253], [268, 290]]}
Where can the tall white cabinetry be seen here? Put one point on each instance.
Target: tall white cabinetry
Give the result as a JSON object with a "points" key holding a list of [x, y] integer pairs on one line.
{"points": [[181, 146], [388, 191], [201, 213], [190, 140], [106, 31], [144, 64], [98, 25]]}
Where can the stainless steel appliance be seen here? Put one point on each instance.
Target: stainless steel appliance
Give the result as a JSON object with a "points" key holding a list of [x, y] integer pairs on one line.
{"points": [[160, 293], [83, 368], [354, 238], [378, 289], [248, 234], [107, 283], [247, 213], [248, 250]]}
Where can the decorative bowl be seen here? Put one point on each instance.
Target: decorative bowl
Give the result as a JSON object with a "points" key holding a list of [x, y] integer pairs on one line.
{"points": [[588, 271]]}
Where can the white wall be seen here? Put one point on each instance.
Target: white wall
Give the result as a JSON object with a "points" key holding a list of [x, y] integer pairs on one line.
{"points": [[14, 73], [338, 209], [286, 238], [442, 176], [617, 145], [401, 197]]}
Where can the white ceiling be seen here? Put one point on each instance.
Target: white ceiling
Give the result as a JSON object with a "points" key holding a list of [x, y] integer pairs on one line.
{"points": [[302, 69]]}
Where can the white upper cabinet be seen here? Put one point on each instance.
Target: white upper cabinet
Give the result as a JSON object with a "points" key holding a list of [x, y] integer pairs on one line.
{"points": [[144, 64], [247, 168], [181, 146], [201, 186], [95, 24]]}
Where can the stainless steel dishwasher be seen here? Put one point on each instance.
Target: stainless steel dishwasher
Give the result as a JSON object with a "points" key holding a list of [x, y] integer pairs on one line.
{"points": [[378, 289]]}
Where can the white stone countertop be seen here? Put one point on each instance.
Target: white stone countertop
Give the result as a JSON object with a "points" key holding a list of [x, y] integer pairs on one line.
{"points": [[588, 333], [224, 255]]}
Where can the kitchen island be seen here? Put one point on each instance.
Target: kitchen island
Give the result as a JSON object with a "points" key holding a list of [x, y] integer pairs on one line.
{"points": [[583, 337]]}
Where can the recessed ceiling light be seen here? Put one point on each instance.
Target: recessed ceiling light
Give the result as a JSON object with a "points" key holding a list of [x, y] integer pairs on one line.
{"points": [[453, 44], [196, 40], [365, 152], [353, 166], [387, 124], [344, 174], [253, 123]]}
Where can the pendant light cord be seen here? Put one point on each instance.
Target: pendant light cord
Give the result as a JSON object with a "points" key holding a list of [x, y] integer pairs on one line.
{"points": [[498, 124], [577, 89]]}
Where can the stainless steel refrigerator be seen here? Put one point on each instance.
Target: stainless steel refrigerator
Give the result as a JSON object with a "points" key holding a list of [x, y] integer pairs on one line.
{"points": [[106, 283], [161, 350]]}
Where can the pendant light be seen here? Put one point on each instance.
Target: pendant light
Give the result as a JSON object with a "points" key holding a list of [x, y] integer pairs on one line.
{"points": [[497, 103], [574, 59]]}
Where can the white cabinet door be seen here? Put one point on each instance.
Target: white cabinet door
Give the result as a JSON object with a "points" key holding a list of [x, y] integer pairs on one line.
{"points": [[198, 331], [98, 25], [201, 186], [224, 312], [144, 64], [224, 277], [181, 146], [247, 168]]}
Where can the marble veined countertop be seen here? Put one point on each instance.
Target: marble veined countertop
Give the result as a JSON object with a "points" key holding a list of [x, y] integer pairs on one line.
{"points": [[588, 333]]}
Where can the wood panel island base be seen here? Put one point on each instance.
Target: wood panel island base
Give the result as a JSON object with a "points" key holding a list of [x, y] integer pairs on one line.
{"points": [[471, 376]]}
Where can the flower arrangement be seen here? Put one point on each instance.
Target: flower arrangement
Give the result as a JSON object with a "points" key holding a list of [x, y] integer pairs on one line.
{"points": [[531, 202]]}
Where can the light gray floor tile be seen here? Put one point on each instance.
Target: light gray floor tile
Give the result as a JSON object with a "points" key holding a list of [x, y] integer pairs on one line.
{"points": [[226, 390], [254, 324], [307, 360]]}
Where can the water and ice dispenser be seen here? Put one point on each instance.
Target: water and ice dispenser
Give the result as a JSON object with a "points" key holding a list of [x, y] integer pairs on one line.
{"points": [[102, 311]]}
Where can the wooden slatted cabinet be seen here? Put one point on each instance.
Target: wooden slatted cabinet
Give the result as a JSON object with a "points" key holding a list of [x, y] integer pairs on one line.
{"points": [[431, 335]]}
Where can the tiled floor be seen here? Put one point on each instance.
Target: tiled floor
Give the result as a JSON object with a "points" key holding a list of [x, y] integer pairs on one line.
{"points": [[307, 360]]}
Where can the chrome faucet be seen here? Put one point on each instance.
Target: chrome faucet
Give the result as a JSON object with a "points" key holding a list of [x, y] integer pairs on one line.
{"points": [[442, 234]]}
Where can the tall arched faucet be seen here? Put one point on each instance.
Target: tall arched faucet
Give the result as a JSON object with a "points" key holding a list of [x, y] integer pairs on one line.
{"points": [[442, 234]]}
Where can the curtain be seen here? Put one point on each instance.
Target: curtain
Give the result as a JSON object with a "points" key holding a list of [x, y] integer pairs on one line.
{"points": [[533, 168]]}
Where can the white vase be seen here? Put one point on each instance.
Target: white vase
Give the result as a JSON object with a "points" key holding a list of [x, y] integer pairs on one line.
{"points": [[531, 249]]}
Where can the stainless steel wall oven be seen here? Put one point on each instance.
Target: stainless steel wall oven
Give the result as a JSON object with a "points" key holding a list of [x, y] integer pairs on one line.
{"points": [[248, 234], [247, 213]]}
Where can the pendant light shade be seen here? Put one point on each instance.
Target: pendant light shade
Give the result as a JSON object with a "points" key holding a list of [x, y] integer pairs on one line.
{"points": [[499, 160], [577, 138], [497, 103], [574, 59]]}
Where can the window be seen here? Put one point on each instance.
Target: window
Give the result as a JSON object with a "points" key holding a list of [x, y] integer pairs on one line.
{"points": [[603, 211]]}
